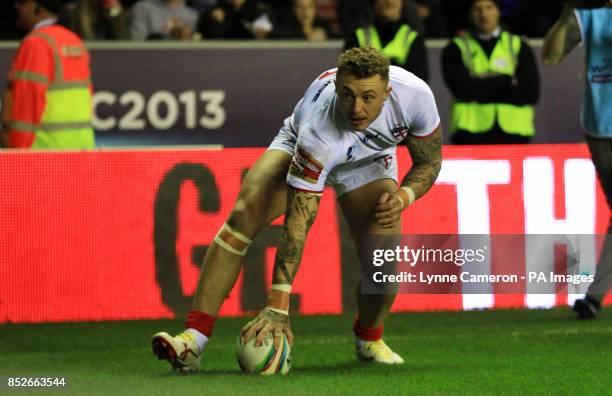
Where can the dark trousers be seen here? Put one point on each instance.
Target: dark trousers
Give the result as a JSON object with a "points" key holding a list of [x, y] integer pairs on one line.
{"points": [[601, 153], [494, 136]]}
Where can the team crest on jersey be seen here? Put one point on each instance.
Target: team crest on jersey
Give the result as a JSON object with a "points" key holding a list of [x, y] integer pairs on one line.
{"points": [[349, 153], [400, 131], [385, 160], [305, 167]]}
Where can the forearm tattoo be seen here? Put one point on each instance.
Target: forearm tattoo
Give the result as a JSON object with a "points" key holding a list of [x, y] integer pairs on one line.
{"points": [[301, 211], [426, 154]]}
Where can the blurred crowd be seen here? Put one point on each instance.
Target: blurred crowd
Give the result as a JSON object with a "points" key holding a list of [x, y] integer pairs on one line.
{"points": [[313, 20]]}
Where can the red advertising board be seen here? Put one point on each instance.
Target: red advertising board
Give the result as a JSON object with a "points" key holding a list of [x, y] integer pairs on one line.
{"points": [[111, 235]]}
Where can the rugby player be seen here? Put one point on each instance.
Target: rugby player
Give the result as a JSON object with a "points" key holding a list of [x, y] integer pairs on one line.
{"points": [[343, 133]]}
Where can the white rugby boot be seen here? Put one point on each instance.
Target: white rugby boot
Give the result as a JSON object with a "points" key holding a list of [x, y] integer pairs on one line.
{"points": [[182, 351], [376, 351]]}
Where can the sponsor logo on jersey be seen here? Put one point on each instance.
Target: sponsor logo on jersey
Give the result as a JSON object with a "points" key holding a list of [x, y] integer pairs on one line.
{"points": [[349, 153], [400, 131], [321, 90], [305, 167], [384, 160]]}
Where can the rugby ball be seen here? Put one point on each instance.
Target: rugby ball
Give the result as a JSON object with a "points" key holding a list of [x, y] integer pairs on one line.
{"points": [[264, 360]]}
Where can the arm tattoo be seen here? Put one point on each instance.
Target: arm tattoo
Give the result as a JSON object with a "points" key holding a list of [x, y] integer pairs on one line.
{"points": [[426, 154], [300, 214]]}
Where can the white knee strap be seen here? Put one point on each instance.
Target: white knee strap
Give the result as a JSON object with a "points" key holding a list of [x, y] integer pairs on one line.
{"points": [[227, 246]]}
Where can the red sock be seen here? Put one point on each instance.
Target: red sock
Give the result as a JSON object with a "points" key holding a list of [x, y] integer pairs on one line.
{"points": [[204, 323], [367, 333]]}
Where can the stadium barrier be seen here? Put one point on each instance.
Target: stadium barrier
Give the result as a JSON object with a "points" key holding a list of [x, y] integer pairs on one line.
{"points": [[109, 235], [237, 94]]}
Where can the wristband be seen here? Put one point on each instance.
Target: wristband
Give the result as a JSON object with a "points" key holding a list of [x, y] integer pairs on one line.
{"points": [[281, 287], [278, 299], [411, 196], [278, 311]]}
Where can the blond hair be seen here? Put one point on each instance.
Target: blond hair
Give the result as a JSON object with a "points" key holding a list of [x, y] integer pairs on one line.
{"points": [[363, 62]]}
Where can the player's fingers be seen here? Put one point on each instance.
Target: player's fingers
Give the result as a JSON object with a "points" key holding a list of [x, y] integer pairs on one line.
{"points": [[388, 222], [393, 206], [278, 337], [262, 334], [289, 335], [246, 327], [253, 330], [388, 217], [384, 197], [384, 207]]}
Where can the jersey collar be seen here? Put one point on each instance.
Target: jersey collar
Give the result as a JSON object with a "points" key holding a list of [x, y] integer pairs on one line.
{"points": [[45, 22]]}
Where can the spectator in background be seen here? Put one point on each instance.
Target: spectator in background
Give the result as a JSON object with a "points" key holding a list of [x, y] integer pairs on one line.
{"points": [[432, 18], [327, 11], [303, 23], [237, 19], [394, 37], [47, 103], [163, 19], [96, 19], [494, 79], [533, 17], [593, 27], [356, 13], [202, 6]]}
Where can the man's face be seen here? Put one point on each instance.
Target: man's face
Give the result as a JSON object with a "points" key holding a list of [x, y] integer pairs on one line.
{"points": [[26, 14], [361, 99], [304, 10], [237, 3], [484, 16], [388, 9]]}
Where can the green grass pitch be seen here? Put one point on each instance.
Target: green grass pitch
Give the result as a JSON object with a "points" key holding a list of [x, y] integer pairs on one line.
{"points": [[485, 352]]}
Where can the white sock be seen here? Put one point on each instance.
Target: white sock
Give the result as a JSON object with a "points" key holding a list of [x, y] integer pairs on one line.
{"points": [[201, 339]]}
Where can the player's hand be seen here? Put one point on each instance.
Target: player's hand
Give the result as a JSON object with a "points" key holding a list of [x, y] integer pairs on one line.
{"points": [[388, 209], [268, 321]]}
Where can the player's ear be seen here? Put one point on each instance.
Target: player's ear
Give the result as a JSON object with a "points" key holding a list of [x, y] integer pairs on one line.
{"points": [[388, 91]]}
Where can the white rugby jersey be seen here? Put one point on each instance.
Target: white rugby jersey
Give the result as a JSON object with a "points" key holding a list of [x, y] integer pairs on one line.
{"points": [[326, 141]]}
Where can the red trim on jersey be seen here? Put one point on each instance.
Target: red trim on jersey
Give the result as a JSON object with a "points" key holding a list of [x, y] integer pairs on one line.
{"points": [[327, 74], [425, 136], [304, 190]]}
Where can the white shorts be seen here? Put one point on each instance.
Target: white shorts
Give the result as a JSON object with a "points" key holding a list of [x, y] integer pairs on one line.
{"points": [[351, 175]]}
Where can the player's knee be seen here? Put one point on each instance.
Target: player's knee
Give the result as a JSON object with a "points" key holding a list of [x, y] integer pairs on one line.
{"points": [[249, 210]]}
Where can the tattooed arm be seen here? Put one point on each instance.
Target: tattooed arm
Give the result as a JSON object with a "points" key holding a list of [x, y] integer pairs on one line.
{"points": [[562, 37], [300, 214], [426, 154], [301, 211]]}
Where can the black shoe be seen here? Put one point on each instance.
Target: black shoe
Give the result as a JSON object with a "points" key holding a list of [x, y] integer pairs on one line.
{"points": [[587, 308]]}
